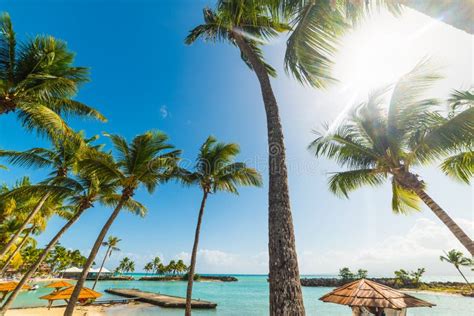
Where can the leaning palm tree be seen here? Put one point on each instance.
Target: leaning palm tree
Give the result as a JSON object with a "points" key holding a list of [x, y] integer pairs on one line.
{"points": [[82, 192], [457, 259], [147, 161], [111, 245], [38, 81], [379, 141], [247, 24], [214, 171], [60, 159]]}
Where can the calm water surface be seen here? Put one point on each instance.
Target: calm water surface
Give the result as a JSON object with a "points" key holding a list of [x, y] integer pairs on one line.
{"points": [[248, 296]]}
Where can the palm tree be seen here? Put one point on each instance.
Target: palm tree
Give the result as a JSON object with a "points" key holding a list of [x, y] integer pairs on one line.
{"points": [[38, 81], [156, 262], [181, 267], [457, 259], [247, 24], [375, 143], [61, 159], [215, 170], [148, 160], [148, 267], [83, 193], [111, 245]]}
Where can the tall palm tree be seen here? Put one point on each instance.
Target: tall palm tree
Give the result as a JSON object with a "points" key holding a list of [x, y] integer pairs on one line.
{"points": [[38, 81], [247, 24], [377, 142], [147, 161], [60, 159], [82, 192], [111, 245], [214, 171], [457, 259]]}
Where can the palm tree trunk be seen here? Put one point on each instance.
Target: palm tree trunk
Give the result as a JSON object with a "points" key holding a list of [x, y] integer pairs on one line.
{"points": [[101, 266], [286, 297], [32, 269], [95, 249], [189, 290], [25, 223], [465, 279], [18, 248], [446, 219]]}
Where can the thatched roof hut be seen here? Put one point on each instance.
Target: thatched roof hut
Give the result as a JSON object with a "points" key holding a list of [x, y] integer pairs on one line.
{"points": [[373, 296], [59, 284], [7, 287], [86, 295]]}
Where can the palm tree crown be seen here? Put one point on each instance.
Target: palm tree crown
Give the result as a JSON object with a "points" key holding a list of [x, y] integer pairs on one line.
{"points": [[215, 170], [38, 81], [247, 19], [375, 143]]}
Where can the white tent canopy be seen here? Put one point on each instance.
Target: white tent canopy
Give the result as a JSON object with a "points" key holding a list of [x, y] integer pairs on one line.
{"points": [[78, 270]]}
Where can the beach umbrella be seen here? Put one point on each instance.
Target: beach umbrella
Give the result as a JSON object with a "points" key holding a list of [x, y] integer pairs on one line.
{"points": [[58, 285], [7, 287], [372, 296], [85, 295]]}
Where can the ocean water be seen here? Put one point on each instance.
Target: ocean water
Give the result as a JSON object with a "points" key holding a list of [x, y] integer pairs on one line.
{"points": [[248, 296]]}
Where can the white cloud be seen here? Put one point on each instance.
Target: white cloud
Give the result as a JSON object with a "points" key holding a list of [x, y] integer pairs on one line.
{"points": [[421, 246], [216, 261], [164, 112]]}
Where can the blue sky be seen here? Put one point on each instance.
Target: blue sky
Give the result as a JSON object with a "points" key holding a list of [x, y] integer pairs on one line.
{"points": [[144, 77]]}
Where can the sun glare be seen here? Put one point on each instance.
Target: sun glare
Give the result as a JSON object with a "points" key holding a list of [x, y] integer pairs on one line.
{"points": [[377, 53]]}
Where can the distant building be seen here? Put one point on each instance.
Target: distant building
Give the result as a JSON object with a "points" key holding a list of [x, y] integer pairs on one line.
{"points": [[75, 273]]}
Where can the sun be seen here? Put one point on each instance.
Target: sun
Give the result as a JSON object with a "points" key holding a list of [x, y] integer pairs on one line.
{"points": [[378, 52]]}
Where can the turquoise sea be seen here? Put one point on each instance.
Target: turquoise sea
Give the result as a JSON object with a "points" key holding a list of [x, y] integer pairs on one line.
{"points": [[248, 296]]}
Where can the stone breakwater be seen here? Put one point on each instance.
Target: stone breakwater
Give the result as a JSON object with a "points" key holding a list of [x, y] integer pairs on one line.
{"points": [[391, 282], [181, 278]]}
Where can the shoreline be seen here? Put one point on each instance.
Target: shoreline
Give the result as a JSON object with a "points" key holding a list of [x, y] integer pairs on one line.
{"points": [[90, 310]]}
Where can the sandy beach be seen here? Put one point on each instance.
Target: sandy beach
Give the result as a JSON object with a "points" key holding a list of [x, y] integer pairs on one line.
{"points": [[95, 310], [57, 311]]}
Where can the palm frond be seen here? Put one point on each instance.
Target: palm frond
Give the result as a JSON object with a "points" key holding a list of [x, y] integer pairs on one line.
{"points": [[460, 166], [341, 183], [407, 105], [7, 49], [403, 200], [445, 136]]}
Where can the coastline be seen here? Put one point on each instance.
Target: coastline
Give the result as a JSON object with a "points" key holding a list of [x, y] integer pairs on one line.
{"points": [[91, 310]]}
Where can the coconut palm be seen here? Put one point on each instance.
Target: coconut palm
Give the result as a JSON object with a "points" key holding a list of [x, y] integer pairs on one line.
{"points": [[60, 159], [181, 267], [457, 259], [214, 171], [148, 267], [147, 161], [82, 192], [375, 143], [247, 24], [156, 264], [38, 81], [111, 245]]}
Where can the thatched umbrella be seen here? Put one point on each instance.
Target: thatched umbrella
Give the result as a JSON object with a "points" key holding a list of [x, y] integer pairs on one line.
{"points": [[59, 285], [7, 287], [86, 295], [372, 296]]}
